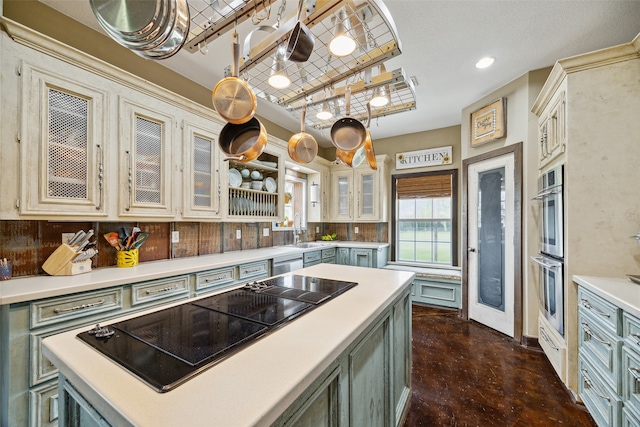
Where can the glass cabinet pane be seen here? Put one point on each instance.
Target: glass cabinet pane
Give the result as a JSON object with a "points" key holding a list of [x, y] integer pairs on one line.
{"points": [[343, 195], [202, 171], [367, 194]]}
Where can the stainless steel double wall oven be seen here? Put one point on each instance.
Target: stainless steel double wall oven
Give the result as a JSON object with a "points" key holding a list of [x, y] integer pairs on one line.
{"points": [[551, 257]]}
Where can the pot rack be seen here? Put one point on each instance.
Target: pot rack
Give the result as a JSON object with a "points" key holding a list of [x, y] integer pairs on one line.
{"points": [[323, 77]]}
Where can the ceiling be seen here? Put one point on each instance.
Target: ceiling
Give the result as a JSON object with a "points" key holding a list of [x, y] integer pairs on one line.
{"points": [[440, 43]]}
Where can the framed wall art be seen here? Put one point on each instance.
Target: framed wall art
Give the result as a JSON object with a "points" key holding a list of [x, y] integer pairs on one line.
{"points": [[489, 123]]}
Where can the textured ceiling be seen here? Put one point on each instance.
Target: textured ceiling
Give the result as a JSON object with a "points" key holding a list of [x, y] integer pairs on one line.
{"points": [[441, 42]]}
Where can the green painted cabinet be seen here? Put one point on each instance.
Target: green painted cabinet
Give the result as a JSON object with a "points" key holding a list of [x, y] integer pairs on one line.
{"points": [[369, 384], [608, 361], [443, 292]]}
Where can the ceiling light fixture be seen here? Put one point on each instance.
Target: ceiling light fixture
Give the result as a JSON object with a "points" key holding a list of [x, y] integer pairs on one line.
{"points": [[342, 44], [485, 62], [279, 78], [325, 113]]}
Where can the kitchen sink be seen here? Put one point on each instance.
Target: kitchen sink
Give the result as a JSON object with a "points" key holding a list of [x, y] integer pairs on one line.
{"points": [[310, 245]]}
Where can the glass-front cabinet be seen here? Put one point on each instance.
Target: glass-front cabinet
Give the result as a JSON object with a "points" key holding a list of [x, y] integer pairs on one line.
{"points": [[201, 170], [367, 194], [63, 132], [146, 137], [342, 190], [355, 194]]}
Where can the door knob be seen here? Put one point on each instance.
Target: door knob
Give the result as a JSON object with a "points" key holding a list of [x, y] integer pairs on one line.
{"points": [[470, 249]]}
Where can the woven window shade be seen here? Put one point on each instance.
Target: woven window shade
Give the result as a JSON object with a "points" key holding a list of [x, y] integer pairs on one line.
{"points": [[424, 186]]}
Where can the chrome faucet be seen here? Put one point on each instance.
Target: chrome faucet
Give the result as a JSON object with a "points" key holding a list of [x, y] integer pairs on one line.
{"points": [[298, 230]]}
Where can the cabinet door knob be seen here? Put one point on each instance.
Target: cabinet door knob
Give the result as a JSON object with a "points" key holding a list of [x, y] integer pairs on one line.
{"points": [[470, 249]]}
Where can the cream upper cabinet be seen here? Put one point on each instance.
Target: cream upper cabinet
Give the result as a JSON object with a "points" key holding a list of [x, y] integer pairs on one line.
{"points": [[342, 194], [145, 158], [200, 169], [359, 194], [367, 194], [552, 130], [62, 144]]}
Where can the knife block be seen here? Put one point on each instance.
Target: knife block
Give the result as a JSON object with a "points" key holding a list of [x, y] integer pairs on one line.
{"points": [[60, 263]]}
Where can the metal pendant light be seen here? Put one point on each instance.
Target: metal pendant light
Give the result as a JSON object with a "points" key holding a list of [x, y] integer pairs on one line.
{"points": [[342, 43]]}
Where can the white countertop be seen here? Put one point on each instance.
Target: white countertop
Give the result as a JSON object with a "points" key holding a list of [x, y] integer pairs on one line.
{"points": [[36, 287], [621, 292], [252, 387]]}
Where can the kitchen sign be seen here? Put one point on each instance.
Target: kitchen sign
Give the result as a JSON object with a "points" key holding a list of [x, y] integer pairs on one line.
{"points": [[421, 158]]}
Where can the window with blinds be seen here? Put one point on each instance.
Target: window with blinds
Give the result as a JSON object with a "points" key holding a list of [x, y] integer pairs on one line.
{"points": [[425, 217]]}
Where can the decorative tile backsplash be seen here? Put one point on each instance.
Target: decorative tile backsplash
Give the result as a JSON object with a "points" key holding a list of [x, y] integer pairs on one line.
{"points": [[28, 244]]}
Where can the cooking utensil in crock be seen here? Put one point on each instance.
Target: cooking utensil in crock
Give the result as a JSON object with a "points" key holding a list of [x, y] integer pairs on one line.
{"points": [[302, 147], [232, 97], [347, 133], [153, 29], [301, 41], [368, 144], [243, 142]]}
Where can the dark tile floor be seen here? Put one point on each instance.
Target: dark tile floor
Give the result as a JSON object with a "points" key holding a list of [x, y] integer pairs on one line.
{"points": [[465, 374]]}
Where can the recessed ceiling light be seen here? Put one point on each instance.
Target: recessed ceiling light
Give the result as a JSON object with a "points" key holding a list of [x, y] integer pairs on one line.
{"points": [[485, 62]]}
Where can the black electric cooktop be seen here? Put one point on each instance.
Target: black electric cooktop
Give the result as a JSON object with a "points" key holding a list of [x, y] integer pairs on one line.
{"points": [[170, 346]]}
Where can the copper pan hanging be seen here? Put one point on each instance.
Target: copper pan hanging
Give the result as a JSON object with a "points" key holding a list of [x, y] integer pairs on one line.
{"points": [[232, 97], [302, 147]]}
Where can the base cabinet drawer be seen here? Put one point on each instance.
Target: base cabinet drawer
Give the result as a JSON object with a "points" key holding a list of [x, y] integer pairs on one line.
{"points": [[553, 346], [260, 268], [603, 404], [631, 377], [160, 290], [57, 310], [602, 348], [215, 278], [607, 314], [434, 292]]}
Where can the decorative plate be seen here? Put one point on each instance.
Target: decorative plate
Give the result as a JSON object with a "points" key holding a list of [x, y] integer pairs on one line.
{"points": [[270, 185], [235, 179]]}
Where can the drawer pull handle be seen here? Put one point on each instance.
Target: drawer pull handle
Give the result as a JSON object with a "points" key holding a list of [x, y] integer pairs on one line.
{"points": [[161, 290], [587, 305], [635, 372], [546, 338], [589, 332], [253, 270], [213, 279], [79, 307], [638, 338], [589, 383]]}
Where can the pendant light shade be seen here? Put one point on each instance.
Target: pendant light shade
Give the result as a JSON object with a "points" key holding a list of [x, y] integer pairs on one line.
{"points": [[342, 44], [325, 113], [279, 79], [380, 97]]}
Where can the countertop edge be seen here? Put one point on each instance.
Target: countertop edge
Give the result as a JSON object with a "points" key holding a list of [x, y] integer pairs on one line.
{"points": [[37, 287], [621, 292]]}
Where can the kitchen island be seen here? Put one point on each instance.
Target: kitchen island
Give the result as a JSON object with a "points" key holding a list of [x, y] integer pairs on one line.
{"points": [[348, 360]]}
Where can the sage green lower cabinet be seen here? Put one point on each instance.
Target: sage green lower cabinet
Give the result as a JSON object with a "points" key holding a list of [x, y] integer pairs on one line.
{"points": [[436, 291], [29, 381], [75, 410], [608, 361], [369, 384], [342, 256], [363, 257], [311, 258]]}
